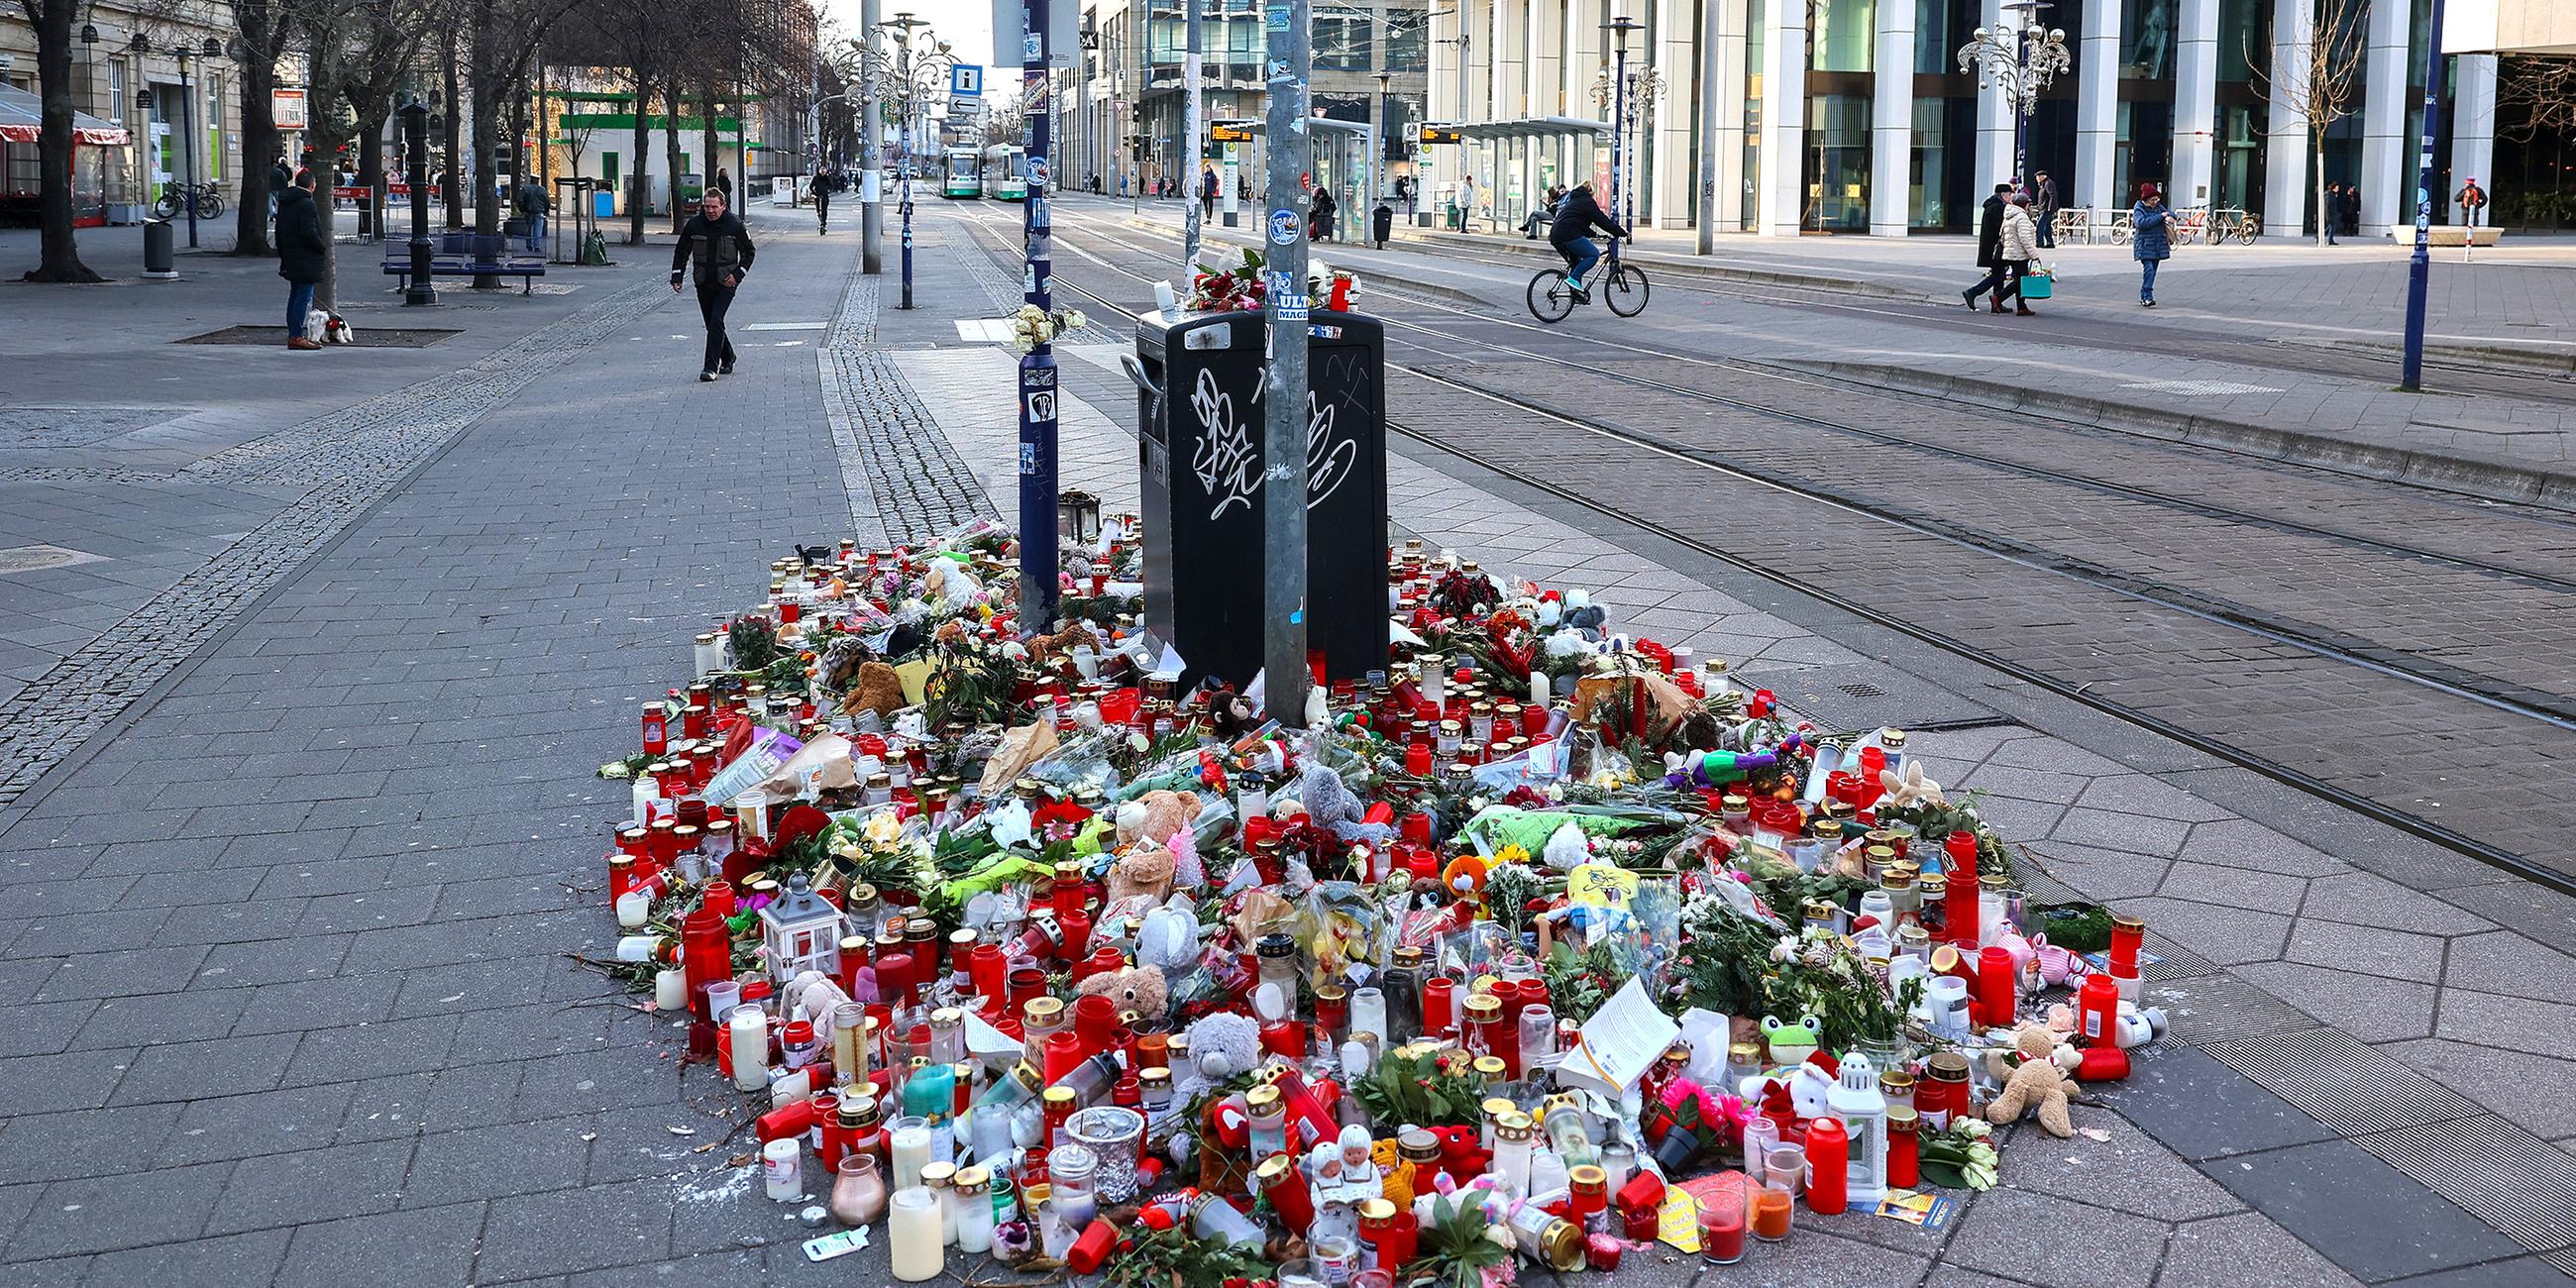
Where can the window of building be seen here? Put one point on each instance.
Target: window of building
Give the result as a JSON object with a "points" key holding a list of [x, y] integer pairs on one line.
{"points": [[1845, 30], [2147, 40], [1748, 201], [1837, 162], [1342, 40], [1925, 206], [1408, 41], [116, 103]]}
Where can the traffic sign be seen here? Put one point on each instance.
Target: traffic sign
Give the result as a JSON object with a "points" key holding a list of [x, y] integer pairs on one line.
{"points": [[966, 80]]}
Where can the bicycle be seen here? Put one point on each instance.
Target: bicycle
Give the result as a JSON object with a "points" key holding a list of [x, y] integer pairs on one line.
{"points": [[208, 201], [1624, 289]]}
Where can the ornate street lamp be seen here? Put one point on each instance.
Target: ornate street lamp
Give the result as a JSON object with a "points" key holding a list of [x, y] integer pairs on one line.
{"points": [[2022, 56], [905, 80], [1618, 91]]}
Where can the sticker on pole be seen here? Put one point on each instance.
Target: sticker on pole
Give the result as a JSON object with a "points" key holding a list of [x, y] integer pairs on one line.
{"points": [[1283, 227], [1275, 17], [1038, 170], [1294, 307], [1042, 407]]}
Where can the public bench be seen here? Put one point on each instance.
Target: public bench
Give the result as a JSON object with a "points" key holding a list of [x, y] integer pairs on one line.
{"points": [[466, 254]]}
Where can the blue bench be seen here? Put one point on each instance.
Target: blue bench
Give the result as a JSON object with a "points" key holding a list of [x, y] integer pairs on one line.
{"points": [[466, 254]]}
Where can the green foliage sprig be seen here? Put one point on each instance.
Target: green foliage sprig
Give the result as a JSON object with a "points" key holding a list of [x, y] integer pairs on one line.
{"points": [[1416, 1089]]}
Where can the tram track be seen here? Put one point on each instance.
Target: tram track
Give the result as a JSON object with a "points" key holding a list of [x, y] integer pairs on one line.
{"points": [[2528, 729]]}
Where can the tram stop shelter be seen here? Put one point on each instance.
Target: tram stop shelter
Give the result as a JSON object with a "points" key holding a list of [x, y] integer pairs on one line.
{"points": [[1515, 162]]}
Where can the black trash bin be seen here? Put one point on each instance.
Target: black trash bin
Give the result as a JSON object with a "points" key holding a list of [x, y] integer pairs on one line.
{"points": [[1200, 416], [1381, 224], [160, 252]]}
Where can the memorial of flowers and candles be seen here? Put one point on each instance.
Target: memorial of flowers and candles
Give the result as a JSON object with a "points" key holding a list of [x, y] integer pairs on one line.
{"points": [[1544, 946]]}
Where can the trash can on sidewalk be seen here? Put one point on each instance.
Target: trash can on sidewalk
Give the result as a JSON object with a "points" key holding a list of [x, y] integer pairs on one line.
{"points": [[1200, 419], [1381, 224], [160, 252]]}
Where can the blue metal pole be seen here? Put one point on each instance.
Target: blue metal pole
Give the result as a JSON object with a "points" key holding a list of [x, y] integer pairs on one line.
{"points": [[2419, 269], [1038, 548]]}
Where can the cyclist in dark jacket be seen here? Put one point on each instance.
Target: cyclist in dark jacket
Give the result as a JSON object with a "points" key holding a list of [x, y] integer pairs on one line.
{"points": [[1576, 216], [716, 249]]}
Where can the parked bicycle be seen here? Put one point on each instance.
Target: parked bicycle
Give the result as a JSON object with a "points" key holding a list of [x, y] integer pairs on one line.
{"points": [[1622, 286], [208, 201]]}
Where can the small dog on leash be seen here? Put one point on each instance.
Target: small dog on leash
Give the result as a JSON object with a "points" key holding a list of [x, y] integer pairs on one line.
{"points": [[333, 328]]}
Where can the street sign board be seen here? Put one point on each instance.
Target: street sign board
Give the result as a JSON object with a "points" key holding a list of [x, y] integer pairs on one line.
{"points": [[1440, 134], [286, 107], [965, 80], [1229, 132]]}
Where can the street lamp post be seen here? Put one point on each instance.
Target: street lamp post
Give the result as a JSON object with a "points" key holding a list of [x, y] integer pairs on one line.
{"points": [[1039, 548], [1382, 139], [2419, 266], [419, 289], [909, 80], [1193, 149], [1286, 393], [2022, 56], [183, 51], [1620, 29]]}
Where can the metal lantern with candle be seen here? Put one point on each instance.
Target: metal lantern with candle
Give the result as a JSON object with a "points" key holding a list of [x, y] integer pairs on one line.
{"points": [[801, 932], [1077, 517]]}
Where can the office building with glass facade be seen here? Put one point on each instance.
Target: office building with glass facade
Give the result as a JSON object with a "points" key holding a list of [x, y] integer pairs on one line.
{"points": [[1853, 116]]}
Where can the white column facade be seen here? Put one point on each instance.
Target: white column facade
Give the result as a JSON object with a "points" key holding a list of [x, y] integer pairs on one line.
{"points": [[2473, 112], [2285, 144], [1784, 117], [1726, 143], [2097, 109], [2386, 189], [1891, 123], [1994, 118], [2195, 103], [1675, 115]]}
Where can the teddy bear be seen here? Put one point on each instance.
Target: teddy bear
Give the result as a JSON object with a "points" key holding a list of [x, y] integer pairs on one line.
{"points": [[2038, 1084], [1155, 815], [879, 690], [1133, 988], [1137, 883], [1461, 1155]]}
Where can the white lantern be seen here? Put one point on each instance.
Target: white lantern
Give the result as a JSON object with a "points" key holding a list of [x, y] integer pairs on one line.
{"points": [[1857, 1101], [802, 932]]}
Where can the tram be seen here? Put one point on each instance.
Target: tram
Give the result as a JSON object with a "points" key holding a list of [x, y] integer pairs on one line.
{"points": [[1006, 172], [961, 174]]}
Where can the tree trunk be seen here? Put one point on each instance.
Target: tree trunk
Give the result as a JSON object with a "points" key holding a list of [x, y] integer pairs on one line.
{"points": [[371, 177], [707, 133], [671, 153], [639, 176], [59, 257], [2324, 229], [455, 138], [487, 217], [258, 25]]}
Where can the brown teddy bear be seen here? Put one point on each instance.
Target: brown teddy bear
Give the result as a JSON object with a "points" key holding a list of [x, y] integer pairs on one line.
{"points": [[880, 690], [1155, 815], [1135, 988], [1137, 883], [2037, 1084]]}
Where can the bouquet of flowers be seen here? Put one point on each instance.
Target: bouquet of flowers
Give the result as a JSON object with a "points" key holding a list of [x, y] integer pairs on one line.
{"points": [[1033, 326]]}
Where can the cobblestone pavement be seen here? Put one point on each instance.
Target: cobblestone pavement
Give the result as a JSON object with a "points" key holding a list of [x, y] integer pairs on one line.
{"points": [[282, 958]]}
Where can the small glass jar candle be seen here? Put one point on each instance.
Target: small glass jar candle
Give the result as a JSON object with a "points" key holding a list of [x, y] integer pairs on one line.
{"points": [[941, 1180], [974, 1209], [1269, 1121], [1515, 1146], [1537, 1036], [909, 1143], [1368, 1014], [1072, 1174]]}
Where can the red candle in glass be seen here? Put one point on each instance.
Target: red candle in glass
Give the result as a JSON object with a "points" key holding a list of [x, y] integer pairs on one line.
{"points": [[1284, 1184], [1829, 1166], [1095, 1023], [1417, 829], [1077, 933], [990, 971], [1534, 719], [1026, 982], [894, 978], [1284, 1038], [1959, 905], [1904, 1158], [2128, 934], [1417, 759], [827, 1116], [706, 955], [1064, 1050], [1440, 1007], [657, 730], [1103, 960], [719, 898], [1996, 1002]]}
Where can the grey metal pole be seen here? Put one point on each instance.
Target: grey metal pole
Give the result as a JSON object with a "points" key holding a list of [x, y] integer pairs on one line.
{"points": [[1710, 68], [871, 154], [1038, 541], [1285, 414], [1193, 151]]}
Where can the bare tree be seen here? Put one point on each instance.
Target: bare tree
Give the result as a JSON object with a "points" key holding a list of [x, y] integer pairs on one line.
{"points": [[636, 37], [2543, 88], [356, 53], [2323, 88], [59, 254]]}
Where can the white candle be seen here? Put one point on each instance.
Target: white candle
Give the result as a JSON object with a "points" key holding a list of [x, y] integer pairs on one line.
{"points": [[632, 909], [749, 1033], [670, 989], [637, 948], [791, 1088], [974, 1220], [1539, 694], [914, 1231], [782, 1164], [911, 1147]]}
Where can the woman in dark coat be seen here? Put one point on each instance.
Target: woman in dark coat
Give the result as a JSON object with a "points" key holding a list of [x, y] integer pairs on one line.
{"points": [[1990, 233], [2150, 239], [302, 253]]}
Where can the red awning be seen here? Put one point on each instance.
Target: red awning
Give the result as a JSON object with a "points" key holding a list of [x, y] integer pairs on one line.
{"points": [[22, 121]]}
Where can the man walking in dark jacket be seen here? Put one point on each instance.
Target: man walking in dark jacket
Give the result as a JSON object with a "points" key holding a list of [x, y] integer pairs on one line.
{"points": [[715, 249], [1990, 231], [1577, 215], [2044, 196], [302, 253]]}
